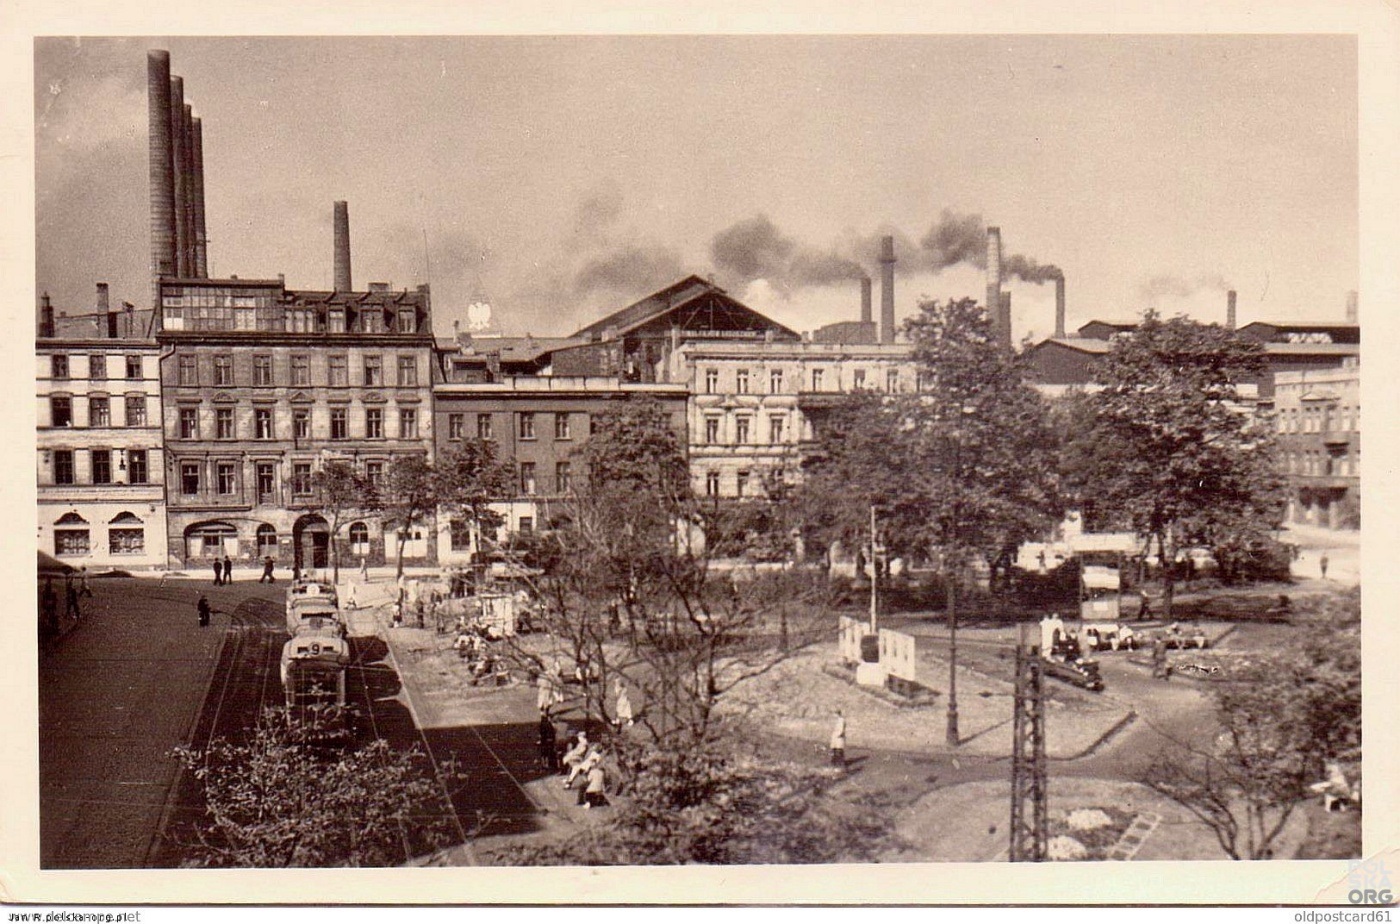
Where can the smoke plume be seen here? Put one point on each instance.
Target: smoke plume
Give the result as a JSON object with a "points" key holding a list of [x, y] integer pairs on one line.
{"points": [[1028, 270], [956, 238], [633, 269], [755, 248]]}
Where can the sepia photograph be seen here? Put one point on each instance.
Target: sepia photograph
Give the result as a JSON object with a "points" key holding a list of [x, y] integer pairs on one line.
{"points": [[622, 450]]}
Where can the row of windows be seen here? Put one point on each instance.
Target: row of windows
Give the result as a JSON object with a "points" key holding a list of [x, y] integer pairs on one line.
{"points": [[225, 478], [99, 411], [264, 426], [777, 429], [744, 484], [1318, 419], [258, 313], [121, 540], [131, 461], [97, 367], [529, 478], [525, 426], [776, 379], [337, 370], [1321, 462]]}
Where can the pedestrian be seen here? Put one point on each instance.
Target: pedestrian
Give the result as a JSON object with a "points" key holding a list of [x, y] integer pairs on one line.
{"points": [[1159, 658], [596, 793], [364, 569], [1144, 604], [544, 692], [71, 592], [350, 602], [838, 741], [398, 613], [549, 757], [623, 712], [204, 610], [218, 573], [1322, 565], [228, 570], [86, 591], [267, 571], [296, 573], [419, 611]]}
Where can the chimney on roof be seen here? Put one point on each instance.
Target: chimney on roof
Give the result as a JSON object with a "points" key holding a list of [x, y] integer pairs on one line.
{"points": [[161, 175], [379, 287], [179, 164], [342, 248], [1060, 305], [104, 310], [865, 286], [887, 289], [1351, 307], [1003, 335], [46, 325], [1230, 310]]}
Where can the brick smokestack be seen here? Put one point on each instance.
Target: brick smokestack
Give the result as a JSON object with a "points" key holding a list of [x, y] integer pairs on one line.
{"points": [[187, 193], [201, 240], [994, 284], [105, 314], [46, 323], [179, 164], [1060, 305], [1004, 319], [865, 315], [1230, 310], [342, 247], [162, 179], [1352, 307], [887, 289]]}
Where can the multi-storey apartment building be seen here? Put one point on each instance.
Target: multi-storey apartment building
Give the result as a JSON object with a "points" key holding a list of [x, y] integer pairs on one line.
{"points": [[100, 465], [261, 386], [1318, 417]]}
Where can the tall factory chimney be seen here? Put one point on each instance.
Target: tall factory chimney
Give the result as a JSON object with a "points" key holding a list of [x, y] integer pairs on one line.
{"points": [[342, 247], [1351, 307], [887, 289], [46, 324], [105, 315], [187, 200], [178, 166], [201, 240], [865, 315], [162, 178], [1230, 310], [1004, 319], [1060, 305], [994, 284]]}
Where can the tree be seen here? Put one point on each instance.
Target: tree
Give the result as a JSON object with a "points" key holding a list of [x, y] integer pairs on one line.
{"points": [[410, 496], [1167, 446], [279, 799], [469, 478], [340, 491], [1282, 718]]}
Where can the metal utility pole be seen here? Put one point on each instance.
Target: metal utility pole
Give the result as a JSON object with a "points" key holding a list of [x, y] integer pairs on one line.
{"points": [[1029, 817], [874, 578], [953, 738]]}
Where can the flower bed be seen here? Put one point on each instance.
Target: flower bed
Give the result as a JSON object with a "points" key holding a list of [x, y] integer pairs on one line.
{"points": [[1095, 828]]}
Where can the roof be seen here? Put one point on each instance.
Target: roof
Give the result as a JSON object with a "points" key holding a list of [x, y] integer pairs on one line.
{"points": [[1313, 349], [92, 325], [1081, 344], [677, 295]]}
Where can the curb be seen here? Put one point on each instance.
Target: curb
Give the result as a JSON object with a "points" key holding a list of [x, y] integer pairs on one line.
{"points": [[1103, 739]]}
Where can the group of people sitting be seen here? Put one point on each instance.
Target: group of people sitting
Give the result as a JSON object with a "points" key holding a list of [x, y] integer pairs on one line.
{"points": [[473, 646], [581, 758]]}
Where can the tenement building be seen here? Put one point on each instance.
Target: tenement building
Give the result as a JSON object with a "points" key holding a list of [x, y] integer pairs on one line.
{"points": [[261, 387], [101, 468], [1318, 417]]}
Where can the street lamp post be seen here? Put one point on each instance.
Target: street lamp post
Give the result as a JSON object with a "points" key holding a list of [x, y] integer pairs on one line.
{"points": [[954, 560], [874, 578]]}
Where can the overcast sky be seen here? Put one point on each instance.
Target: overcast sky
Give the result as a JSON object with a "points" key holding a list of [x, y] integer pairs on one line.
{"points": [[558, 178]]}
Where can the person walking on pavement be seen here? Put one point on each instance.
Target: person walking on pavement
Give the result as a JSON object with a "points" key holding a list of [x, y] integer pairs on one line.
{"points": [[1322, 565], [267, 571], [549, 757], [622, 715], [1144, 604], [204, 610], [838, 741], [86, 591], [364, 569], [1159, 658], [71, 593], [218, 573], [228, 570]]}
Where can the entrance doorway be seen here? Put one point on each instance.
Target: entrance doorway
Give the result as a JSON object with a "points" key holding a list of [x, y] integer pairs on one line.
{"points": [[311, 540]]}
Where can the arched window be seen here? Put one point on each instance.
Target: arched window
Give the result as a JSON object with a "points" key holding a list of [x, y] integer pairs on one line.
{"points": [[126, 518], [267, 541], [70, 535], [207, 540], [359, 539], [126, 535], [70, 519]]}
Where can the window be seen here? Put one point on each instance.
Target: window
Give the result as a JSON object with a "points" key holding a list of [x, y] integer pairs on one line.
{"points": [[775, 429], [858, 379], [267, 485], [562, 477], [101, 466], [483, 426], [456, 426], [892, 380], [712, 484], [527, 524], [527, 478], [335, 321], [97, 367], [63, 466], [267, 541], [189, 423], [133, 367], [137, 470], [712, 429], [408, 371], [262, 423], [372, 320], [189, 370], [374, 423], [374, 370], [135, 410], [561, 426], [301, 424], [408, 423], [126, 540], [817, 379], [58, 366], [374, 473], [223, 423], [337, 371], [775, 381], [227, 480], [262, 370], [711, 381], [99, 412], [223, 369], [61, 411], [189, 478], [301, 369], [359, 539], [340, 427], [741, 483], [70, 542], [460, 535], [526, 423], [407, 323], [741, 429], [741, 381], [301, 478]]}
